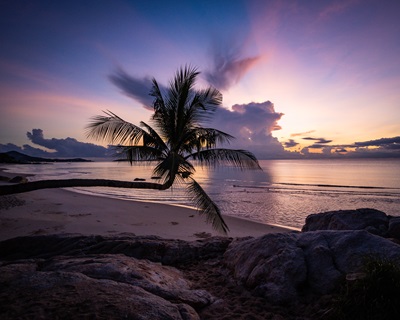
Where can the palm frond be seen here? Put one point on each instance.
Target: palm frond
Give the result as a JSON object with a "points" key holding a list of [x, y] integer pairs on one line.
{"points": [[114, 129], [241, 159], [204, 104], [172, 167], [164, 113], [199, 138], [153, 139], [206, 206], [137, 153]]}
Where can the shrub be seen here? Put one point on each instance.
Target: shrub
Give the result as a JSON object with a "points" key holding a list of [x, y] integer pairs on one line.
{"points": [[374, 295]]}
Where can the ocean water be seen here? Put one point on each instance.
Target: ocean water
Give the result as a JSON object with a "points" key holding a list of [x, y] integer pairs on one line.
{"points": [[283, 193]]}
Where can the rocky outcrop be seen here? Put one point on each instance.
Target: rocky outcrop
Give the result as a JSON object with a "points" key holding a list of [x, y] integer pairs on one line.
{"points": [[374, 221], [69, 276], [30, 292], [371, 220], [282, 267], [280, 275], [165, 251]]}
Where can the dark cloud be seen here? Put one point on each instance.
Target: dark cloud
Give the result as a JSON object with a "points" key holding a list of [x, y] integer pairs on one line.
{"points": [[379, 148], [319, 140], [229, 66], [383, 142], [290, 144], [136, 88], [68, 147]]}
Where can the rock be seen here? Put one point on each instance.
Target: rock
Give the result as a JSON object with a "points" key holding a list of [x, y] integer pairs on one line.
{"points": [[331, 255], [106, 286], [18, 179], [67, 277], [394, 227], [113, 276], [35, 294], [282, 267], [372, 220], [272, 265], [164, 281], [169, 252]]}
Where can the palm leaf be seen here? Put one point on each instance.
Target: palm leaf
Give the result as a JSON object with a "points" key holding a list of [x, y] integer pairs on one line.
{"points": [[137, 153], [206, 206], [172, 167], [113, 129], [241, 159], [200, 138], [155, 141]]}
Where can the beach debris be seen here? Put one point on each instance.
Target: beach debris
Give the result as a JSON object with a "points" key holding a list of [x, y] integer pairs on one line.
{"points": [[18, 179]]}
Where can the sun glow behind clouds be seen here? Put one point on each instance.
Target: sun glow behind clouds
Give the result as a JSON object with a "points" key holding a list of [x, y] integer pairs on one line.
{"points": [[328, 67]]}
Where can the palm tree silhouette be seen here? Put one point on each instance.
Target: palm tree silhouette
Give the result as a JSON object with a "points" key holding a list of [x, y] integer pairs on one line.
{"points": [[178, 136]]}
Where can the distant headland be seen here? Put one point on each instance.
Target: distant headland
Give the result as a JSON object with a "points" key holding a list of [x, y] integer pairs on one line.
{"points": [[20, 158]]}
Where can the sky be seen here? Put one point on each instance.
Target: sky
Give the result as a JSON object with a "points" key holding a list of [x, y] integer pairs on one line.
{"points": [[300, 79]]}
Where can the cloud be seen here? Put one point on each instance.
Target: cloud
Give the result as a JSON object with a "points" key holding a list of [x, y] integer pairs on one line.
{"points": [[229, 66], [136, 88], [252, 124], [336, 8], [290, 144], [379, 148], [68, 147], [319, 140], [301, 133], [383, 142]]}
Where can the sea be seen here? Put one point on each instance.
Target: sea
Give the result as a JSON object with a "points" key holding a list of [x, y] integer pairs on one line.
{"points": [[283, 193]]}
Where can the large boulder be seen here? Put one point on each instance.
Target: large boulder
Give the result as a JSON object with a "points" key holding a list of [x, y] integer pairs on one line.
{"points": [[394, 227], [372, 220], [164, 281], [272, 265], [281, 267], [67, 277], [97, 286]]}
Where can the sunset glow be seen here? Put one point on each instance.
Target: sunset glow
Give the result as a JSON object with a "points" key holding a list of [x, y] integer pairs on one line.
{"points": [[300, 79]]}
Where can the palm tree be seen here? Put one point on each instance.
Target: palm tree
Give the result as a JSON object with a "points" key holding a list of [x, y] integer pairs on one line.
{"points": [[177, 137]]}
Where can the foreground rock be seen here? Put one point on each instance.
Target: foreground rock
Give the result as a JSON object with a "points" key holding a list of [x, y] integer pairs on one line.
{"points": [[58, 278], [69, 295], [277, 276], [285, 267], [371, 220]]}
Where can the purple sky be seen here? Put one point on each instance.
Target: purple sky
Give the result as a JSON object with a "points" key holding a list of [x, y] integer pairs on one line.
{"points": [[299, 78]]}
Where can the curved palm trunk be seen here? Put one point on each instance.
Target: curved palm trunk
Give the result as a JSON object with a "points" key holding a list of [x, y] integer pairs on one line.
{"points": [[49, 184]]}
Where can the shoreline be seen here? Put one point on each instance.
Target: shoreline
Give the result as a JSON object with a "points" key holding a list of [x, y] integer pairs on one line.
{"points": [[61, 211]]}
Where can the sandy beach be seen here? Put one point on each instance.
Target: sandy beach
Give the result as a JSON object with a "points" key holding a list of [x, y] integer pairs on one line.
{"points": [[59, 211]]}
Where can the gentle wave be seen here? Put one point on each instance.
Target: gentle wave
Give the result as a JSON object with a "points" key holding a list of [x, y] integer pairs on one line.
{"points": [[333, 186], [284, 193]]}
